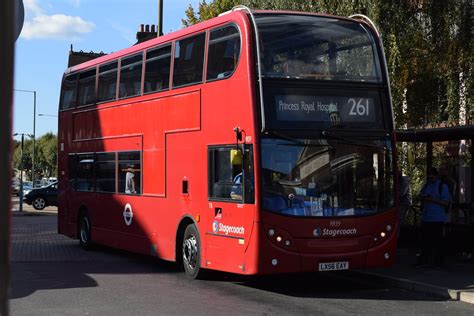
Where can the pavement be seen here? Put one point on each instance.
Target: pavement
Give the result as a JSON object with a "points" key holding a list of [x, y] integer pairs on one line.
{"points": [[455, 281]]}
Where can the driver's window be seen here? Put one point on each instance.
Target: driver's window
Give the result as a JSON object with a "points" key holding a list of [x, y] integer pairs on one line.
{"points": [[228, 171]]}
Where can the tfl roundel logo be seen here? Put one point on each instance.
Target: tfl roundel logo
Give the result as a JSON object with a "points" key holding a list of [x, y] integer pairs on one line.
{"points": [[317, 232], [215, 227]]}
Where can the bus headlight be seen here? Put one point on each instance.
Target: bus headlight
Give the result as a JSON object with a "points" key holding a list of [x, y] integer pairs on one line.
{"points": [[381, 234], [280, 238]]}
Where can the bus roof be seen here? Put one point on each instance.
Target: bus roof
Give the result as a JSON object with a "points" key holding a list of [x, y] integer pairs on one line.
{"points": [[159, 40], [221, 19]]}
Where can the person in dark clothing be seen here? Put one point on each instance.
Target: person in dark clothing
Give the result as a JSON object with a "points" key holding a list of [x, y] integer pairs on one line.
{"points": [[435, 200]]}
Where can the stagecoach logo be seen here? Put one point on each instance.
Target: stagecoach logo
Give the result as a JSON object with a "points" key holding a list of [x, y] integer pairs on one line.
{"points": [[226, 229], [318, 232], [128, 214], [215, 227]]}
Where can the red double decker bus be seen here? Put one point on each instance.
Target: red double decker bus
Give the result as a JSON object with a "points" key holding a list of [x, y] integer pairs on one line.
{"points": [[255, 143]]}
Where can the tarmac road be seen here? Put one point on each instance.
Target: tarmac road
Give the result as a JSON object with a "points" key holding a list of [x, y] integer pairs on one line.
{"points": [[51, 275]]}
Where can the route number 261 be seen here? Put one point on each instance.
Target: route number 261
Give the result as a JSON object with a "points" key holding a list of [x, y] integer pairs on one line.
{"points": [[359, 107]]}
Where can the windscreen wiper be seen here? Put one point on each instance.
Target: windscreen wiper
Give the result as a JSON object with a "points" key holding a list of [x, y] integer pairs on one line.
{"points": [[287, 138], [296, 141], [329, 135]]}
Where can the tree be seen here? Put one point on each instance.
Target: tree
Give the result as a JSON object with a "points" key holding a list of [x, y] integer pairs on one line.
{"points": [[47, 155], [45, 159], [27, 154]]}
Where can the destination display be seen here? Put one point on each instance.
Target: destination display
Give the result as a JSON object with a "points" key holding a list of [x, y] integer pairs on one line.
{"points": [[335, 110]]}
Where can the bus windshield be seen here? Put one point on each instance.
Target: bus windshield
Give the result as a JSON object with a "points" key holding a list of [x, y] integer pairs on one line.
{"points": [[317, 48], [326, 177]]}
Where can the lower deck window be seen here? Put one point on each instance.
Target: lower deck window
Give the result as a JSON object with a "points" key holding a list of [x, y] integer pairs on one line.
{"points": [[129, 172], [85, 172], [108, 172]]}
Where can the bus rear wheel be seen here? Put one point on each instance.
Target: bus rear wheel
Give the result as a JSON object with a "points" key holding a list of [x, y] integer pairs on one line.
{"points": [[192, 253], [85, 240]]}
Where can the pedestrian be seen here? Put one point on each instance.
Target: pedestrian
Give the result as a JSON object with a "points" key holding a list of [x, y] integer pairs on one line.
{"points": [[446, 178], [435, 199]]}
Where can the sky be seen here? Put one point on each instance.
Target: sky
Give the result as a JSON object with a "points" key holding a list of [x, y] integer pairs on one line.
{"points": [[51, 26]]}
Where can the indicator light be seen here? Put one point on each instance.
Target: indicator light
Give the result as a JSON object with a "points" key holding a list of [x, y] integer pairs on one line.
{"points": [[279, 238], [271, 232], [274, 262], [382, 234], [386, 256], [389, 228], [287, 242]]}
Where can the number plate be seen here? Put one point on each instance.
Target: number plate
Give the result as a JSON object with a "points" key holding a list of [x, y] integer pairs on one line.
{"points": [[331, 266]]}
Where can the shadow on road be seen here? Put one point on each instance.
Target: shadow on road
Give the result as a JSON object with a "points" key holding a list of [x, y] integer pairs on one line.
{"points": [[44, 260], [27, 277]]}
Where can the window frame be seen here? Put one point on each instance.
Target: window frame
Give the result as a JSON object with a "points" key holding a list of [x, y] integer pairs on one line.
{"points": [[93, 172], [211, 173], [76, 87], [170, 76], [73, 180], [119, 77], [222, 39], [115, 171], [204, 66], [107, 72], [94, 101], [118, 152]]}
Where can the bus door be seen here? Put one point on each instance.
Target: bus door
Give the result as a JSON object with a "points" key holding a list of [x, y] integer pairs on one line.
{"points": [[231, 206]]}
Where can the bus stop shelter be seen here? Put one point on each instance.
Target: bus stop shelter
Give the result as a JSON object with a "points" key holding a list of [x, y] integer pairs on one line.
{"points": [[447, 134], [431, 135]]}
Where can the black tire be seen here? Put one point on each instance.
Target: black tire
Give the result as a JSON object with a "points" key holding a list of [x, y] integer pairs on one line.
{"points": [[191, 253], [39, 203], [84, 231]]}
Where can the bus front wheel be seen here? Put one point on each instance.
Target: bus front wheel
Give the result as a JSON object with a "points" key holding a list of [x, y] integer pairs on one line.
{"points": [[192, 252], [85, 240]]}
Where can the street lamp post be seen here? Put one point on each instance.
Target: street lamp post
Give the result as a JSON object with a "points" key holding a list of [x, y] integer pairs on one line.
{"points": [[34, 133], [21, 168]]}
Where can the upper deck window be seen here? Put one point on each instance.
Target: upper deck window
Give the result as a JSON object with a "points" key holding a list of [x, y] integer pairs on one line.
{"points": [[189, 60], [86, 90], [317, 48], [224, 51], [68, 93], [131, 76], [157, 69], [107, 86]]}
